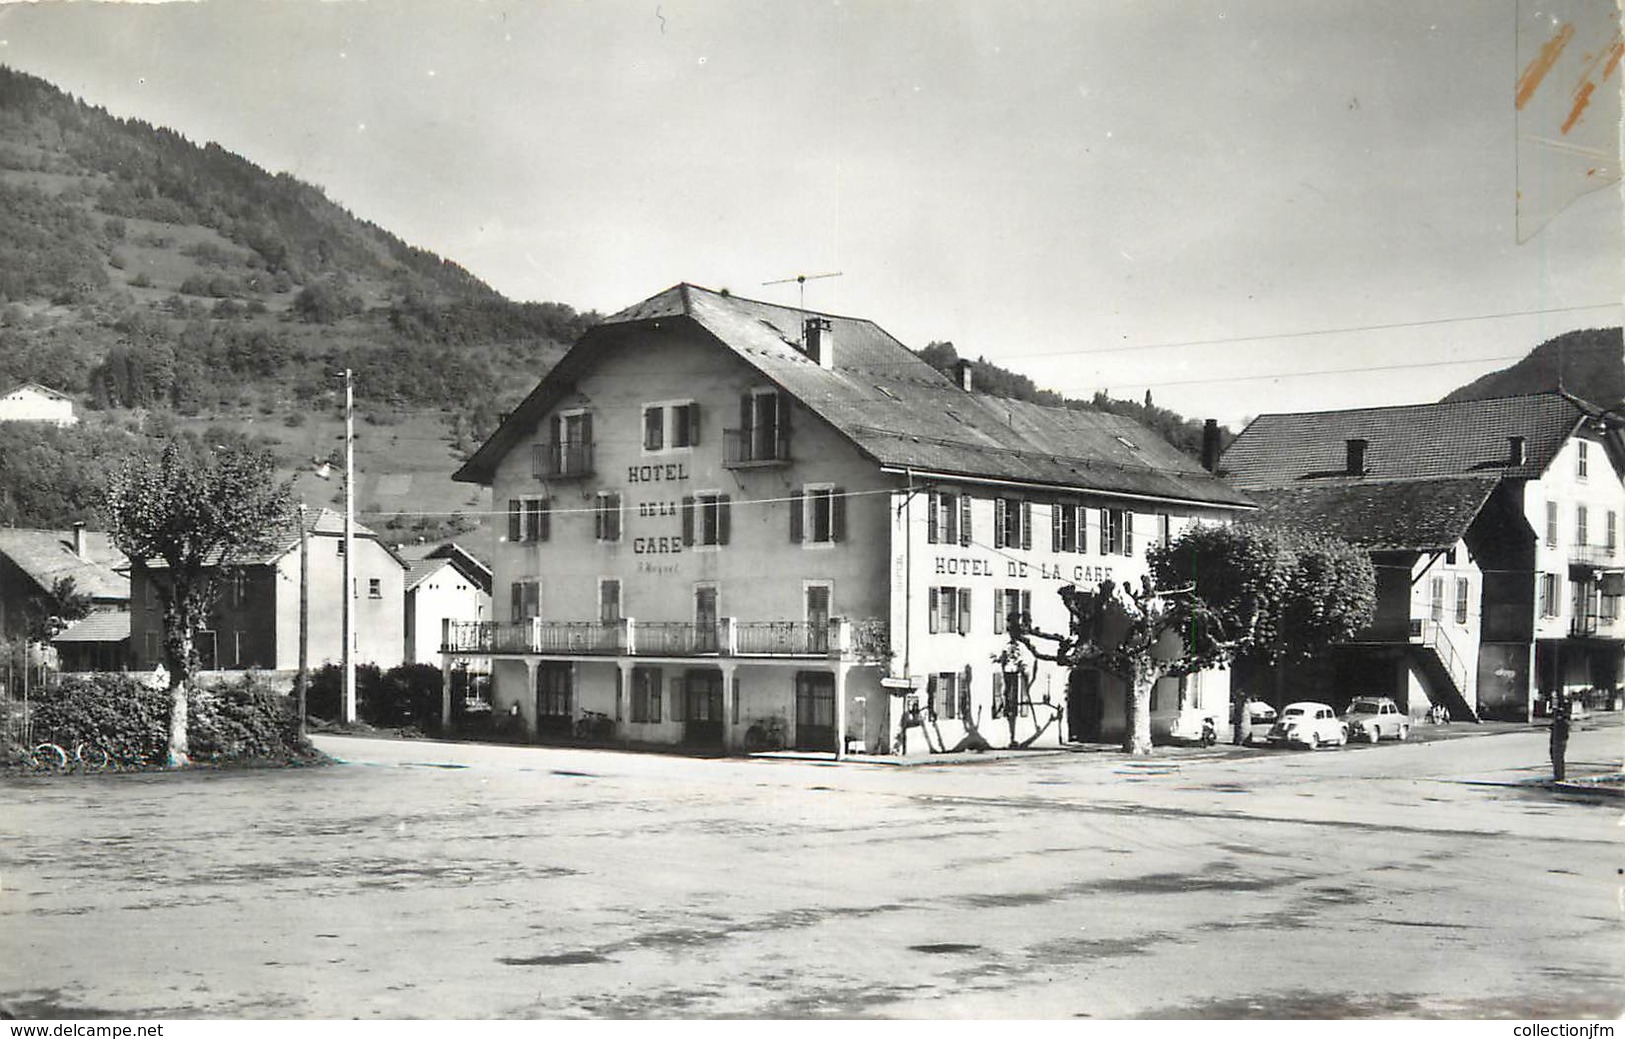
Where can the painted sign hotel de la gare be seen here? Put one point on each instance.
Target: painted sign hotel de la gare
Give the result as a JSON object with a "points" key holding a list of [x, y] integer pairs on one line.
{"points": [[727, 518]]}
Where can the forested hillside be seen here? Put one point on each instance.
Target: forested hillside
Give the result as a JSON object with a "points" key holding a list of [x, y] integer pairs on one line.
{"points": [[146, 275], [1589, 363]]}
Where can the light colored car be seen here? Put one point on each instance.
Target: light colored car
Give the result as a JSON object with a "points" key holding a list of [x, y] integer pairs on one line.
{"points": [[1372, 718], [1187, 725], [1309, 724], [1260, 719]]}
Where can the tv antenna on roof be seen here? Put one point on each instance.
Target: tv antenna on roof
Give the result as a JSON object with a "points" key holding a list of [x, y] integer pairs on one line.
{"points": [[801, 281]]}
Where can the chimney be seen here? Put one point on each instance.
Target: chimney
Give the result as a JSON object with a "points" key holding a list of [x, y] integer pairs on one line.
{"points": [[962, 375], [1515, 451], [79, 540], [1356, 456], [818, 342], [1210, 445]]}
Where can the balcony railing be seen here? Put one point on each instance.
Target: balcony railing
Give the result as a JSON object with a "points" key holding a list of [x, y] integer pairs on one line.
{"points": [[1596, 557], [743, 448], [864, 640], [563, 460]]}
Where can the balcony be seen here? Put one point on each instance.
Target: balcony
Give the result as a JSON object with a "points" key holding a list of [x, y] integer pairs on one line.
{"points": [[1594, 558], [754, 448], [865, 641], [563, 460]]}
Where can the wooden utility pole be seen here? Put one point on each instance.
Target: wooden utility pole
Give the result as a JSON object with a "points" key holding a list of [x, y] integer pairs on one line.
{"points": [[347, 593], [303, 684]]}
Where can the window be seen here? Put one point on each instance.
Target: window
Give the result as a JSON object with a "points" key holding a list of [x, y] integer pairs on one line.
{"points": [[338, 547], [525, 600], [609, 600], [1580, 518], [764, 429], [1116, 532], [239, 585], [528, 519], [705, 618], [1165, 529], [1610, 608], [1067, 526], [706, 519], [818, 515], [375, 588], [553, 694], [671, 425], [947, 518], [647, 683], [942, 694], [816, 599], [1012, 523], [1551, 524], [1582, 459], [1610, 532], [1007, 601], [606, 517], [570, 452], [1436, 608], [948, 610], [1550, 589], [1461, 600]]}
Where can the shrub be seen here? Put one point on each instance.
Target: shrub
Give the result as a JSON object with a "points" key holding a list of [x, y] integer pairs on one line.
{"points": [[244, 719], [405, 695]]}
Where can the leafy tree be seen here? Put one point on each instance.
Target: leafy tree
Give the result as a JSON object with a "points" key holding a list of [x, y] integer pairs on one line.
{"points": [[51, 611], [1217, 594], [192, 507]]}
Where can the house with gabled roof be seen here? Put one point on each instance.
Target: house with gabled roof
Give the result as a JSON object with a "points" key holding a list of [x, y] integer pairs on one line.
{"points": [[446, 584], [32, 562], [732, 524], [254, 622], [31, 402], [1494, 525]]}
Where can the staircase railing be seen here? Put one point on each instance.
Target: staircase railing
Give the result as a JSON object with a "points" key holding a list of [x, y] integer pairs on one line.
{"points": [[1431, 633]]}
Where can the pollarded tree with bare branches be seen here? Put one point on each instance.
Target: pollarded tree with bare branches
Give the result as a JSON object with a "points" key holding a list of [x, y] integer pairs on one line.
{"points": [[181, 514]]}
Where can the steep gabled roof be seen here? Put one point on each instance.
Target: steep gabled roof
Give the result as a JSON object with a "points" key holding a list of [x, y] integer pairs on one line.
{"points": [[47, 556], [100, 626], [894, 407], [44, 391], [284, 538], [1414, 441], [1381, 515]]}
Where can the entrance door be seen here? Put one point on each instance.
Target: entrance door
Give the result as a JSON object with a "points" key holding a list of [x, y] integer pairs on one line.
{"points": [[1084, 706], [705, 618], [815, 710], [702, 708], [553, 699], [818, 618]]}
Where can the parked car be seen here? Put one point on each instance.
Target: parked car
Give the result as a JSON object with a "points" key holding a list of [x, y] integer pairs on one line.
{"points": [[1372, 718], [1186, 725], [1260, 719], [1309, 724]]}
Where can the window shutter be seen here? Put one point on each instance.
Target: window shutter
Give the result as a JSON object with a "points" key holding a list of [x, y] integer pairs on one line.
{"points": [[533, 598], [1128, 532], [1026, 605], [932, 501], [998, 610], [615, 517], [747, 415], [1083, 529], [1055, 526], [515, 522], [586, 427], [599, 519], [932, 605], [724, 510], [964, 611], [688, 519], [544, 519], [652, 429], [964, 519], [837, 514], [1001, 511], [784, 416], [1026, 524], [964, 693], [694, 425], [795, 517], [516, 601], [931, 695], [1105, 531]]}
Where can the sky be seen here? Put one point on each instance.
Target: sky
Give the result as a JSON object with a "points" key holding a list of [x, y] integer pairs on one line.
{"points": [[1242, 206]]}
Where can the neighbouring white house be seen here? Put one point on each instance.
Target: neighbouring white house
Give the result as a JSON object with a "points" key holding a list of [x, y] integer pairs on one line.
{"points": [[448, 584], [32, 402]]}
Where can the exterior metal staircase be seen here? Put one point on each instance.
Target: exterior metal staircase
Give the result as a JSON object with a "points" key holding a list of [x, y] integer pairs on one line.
{"points": [[1443, 666]]}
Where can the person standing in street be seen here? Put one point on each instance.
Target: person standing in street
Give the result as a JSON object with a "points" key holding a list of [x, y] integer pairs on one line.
{"points": [[1560, 733]]}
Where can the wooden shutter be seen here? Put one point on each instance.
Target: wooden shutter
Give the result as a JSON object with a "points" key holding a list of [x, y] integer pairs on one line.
{"points": [[796, 512], [688, 519], [931, 695], [964, 519], [1026, 524], [837, 514], [934, 600], [932, 524], [1083, 528], [1055, 526], [964, 693], [747, 417], [544, 519], [516, 529], [693, 425], [586, 431], [1128, 532], [724, 511], [516, 600], [1001, 513], [998, 610], [964, 611]]}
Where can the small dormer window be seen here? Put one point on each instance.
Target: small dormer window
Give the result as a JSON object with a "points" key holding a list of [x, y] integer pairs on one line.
{"points": [[1126, 442], [1582, 459]]}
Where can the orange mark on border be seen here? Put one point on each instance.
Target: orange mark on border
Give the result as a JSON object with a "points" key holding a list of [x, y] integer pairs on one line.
{"points": [[1614, 55], [1529, 82], [1582, 97]]}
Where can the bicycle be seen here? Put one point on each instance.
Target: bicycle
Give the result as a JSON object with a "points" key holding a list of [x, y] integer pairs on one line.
{"points": [[86, 757], [765, 734], [594, 725]]}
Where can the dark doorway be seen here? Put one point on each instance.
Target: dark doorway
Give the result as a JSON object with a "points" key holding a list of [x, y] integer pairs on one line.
{"points": [[815, 710], [702, 709], [1085, 707], [553, 683]]}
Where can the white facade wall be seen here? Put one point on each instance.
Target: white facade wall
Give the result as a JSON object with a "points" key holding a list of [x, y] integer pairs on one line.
{"points": [[1447, 591], [30, 404], [444, 595]]}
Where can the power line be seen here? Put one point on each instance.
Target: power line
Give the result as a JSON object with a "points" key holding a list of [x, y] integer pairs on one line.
{"points": [[1327, 371]]}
